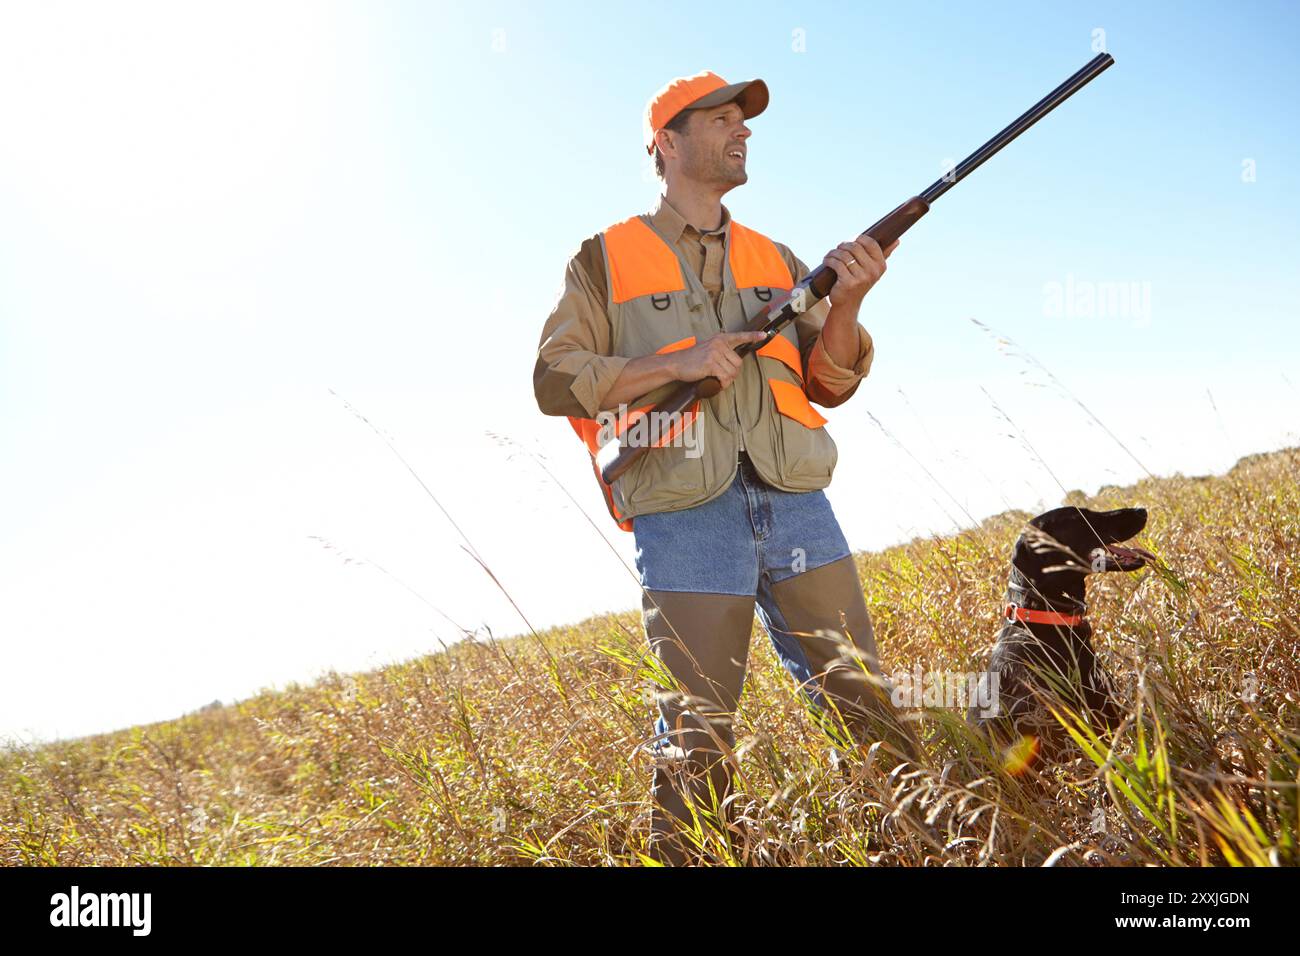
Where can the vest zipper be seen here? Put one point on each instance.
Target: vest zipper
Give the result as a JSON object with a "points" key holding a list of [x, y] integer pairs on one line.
{"points": [[735, 402], [696, 283]]}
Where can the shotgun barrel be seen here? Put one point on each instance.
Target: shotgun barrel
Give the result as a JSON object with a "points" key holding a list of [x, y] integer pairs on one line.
{"points": [[616, 458], [1086, 74]]}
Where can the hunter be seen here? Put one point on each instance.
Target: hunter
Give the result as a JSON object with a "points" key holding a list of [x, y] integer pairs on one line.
{"points": [[729, 514]]}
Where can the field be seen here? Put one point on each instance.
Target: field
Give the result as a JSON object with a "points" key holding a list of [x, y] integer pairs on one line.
{"points": [[527, 750]]}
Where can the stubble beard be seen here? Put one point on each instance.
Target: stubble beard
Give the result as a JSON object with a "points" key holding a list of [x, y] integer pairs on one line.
{"points": [[716, 170]]}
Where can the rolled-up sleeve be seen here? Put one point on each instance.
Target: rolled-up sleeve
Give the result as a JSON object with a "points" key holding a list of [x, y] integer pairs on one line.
{"points": [[826, 382], [574, 373]]}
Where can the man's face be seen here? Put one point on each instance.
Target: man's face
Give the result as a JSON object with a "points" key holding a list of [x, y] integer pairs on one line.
{"points": [[714, 148]]}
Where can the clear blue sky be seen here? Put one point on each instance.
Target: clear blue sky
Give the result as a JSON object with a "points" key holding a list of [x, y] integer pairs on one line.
{"points": [[211, 216]]}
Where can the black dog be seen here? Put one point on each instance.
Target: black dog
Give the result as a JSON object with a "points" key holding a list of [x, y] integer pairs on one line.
{"points": [[1044, 649]]}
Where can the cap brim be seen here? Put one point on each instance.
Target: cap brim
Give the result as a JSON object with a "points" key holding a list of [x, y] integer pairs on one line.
{"points": [[750, 96]]}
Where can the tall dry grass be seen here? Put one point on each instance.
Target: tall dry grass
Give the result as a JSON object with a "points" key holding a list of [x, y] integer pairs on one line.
{"points": [[528, 749]]}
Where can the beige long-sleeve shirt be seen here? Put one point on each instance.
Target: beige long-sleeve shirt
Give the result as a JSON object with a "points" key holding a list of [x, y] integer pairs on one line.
{"points": [[574, 370]]}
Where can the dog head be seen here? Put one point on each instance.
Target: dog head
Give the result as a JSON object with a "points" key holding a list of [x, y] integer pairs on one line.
{"points": [[1061, 547]]}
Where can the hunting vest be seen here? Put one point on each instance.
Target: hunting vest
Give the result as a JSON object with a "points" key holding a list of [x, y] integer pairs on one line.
{"points": [[656, 305]]}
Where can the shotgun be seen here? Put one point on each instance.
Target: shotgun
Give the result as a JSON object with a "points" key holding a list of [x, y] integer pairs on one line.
{"points": [[615, 458]]}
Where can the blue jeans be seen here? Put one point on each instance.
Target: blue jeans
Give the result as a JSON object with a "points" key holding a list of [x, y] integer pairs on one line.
{"points": [[749, 538]]}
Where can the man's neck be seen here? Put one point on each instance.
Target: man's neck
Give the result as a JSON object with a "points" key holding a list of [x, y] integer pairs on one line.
{"points": [[700, 205]]}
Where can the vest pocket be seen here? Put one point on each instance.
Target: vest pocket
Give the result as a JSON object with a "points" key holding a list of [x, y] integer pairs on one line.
{"points": [[666, 475], [806, 454], [793, 403]]}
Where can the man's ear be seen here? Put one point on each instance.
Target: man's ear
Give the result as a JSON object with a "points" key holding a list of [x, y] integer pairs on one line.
{"points": [[663, 139]]}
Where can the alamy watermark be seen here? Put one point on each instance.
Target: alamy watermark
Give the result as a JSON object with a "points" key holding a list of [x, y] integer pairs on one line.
{"points": [[1087, 299], [651, 429], [102, 909], [946, 689]]}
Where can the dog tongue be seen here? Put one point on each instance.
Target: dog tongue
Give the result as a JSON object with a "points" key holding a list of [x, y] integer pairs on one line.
{"points": [[1130, 558]]}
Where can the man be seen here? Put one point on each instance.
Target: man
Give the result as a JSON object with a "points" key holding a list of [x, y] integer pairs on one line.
{"points": [[736, 515]]}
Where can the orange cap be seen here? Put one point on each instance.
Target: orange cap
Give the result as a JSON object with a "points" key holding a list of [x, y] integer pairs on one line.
{"points": [[699, 92]]}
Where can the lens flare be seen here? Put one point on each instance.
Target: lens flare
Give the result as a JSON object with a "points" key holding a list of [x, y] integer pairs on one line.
{"points": [[1017, 758]]}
